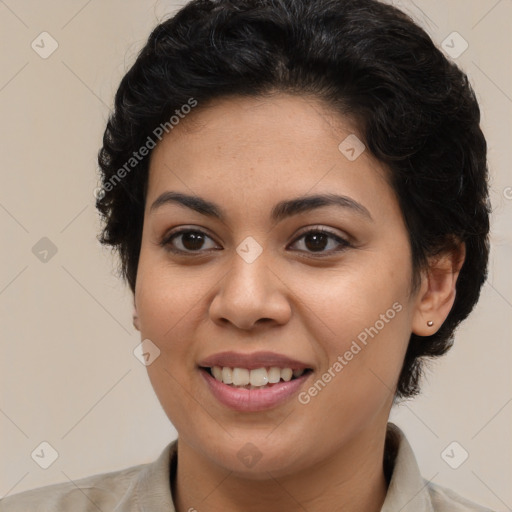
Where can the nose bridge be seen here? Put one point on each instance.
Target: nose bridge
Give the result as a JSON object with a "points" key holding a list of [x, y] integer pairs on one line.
{"points": [[250, 291], [248, 273]]}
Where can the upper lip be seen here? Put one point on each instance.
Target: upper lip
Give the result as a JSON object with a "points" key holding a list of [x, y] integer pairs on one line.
{"points": [[252, 361]]}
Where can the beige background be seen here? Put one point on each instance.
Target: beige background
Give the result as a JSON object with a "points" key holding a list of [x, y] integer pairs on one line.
{"points": [[68, 374]]}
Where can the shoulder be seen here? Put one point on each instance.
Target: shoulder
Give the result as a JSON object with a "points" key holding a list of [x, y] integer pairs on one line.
{"points": [[141, 487], [408, 491], [446, 500], [88, 494]]}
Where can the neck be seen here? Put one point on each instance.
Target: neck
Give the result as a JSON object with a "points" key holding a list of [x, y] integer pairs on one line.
{"points": [[352, 480]]}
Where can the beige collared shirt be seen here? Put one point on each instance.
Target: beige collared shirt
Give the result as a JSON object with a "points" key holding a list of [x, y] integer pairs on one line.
{"points": [[146, 488]]}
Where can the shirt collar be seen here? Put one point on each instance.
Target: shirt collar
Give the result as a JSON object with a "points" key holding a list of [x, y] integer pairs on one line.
{"points": [[407, 491], [151, 491]]}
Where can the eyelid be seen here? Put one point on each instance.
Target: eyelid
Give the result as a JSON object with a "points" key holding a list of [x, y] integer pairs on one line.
{"points": [[322, 229]]}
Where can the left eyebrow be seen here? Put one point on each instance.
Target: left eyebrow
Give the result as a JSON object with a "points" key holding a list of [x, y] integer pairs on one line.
{"points": [[280, 211]]}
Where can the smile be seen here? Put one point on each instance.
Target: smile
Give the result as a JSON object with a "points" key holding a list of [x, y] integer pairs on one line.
{"points": [[254, 390], [254, 379]]}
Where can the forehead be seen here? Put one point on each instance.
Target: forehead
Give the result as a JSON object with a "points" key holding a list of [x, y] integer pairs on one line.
{"points": [[249, 150]]}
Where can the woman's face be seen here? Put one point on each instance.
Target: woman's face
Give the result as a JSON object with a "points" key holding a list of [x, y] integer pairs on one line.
{"points": [[260, 287]]}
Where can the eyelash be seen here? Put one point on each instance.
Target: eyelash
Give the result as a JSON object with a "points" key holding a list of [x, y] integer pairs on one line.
{"points": [[166, 242]]}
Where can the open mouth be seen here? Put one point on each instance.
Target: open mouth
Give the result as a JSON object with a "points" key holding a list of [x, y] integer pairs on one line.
{"points": [[259, 378]]}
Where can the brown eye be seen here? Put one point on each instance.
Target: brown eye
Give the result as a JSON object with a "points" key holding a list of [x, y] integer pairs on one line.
{"points": [[317, 240], [186, 240], [193, 241]]}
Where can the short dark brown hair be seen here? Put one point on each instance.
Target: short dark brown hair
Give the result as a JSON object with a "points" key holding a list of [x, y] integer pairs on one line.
{"points": [[415, 109]]}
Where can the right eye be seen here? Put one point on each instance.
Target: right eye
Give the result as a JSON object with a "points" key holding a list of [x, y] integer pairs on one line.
{"points": [[191, 241]]}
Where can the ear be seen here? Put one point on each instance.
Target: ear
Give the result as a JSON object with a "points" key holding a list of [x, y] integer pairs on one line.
{"points": [[437, 290], [136, 318]]}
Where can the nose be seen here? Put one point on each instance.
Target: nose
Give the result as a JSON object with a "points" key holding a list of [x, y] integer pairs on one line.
{"points": [[251, 294]]}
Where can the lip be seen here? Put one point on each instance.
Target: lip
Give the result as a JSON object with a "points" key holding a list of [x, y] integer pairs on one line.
{"points": [[252, 361], [253, 400]]}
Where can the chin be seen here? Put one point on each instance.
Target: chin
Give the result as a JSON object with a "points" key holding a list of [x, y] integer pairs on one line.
{"points": [[256, 460]]}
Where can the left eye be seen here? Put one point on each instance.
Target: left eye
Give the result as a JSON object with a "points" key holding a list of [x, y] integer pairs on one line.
{"points": [[315, 241]]}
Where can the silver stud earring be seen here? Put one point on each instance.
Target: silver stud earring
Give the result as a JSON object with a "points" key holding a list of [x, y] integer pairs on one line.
{"points": [[430, 323]]}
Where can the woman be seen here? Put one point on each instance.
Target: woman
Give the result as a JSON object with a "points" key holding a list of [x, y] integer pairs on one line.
{"points": [[298, 194]]}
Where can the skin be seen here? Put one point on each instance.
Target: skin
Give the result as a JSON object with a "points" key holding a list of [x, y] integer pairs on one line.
{"points": [[246, 155]]}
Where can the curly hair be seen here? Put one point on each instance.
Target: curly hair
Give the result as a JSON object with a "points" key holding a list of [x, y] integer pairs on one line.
{"points": [[415, 109]]}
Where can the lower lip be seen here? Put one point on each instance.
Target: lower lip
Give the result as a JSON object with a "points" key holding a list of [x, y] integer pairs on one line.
{"points": [[252, 400]]}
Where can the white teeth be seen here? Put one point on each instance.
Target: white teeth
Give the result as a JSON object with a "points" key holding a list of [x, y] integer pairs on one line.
{"points": [[256, 378], [259, 377], [227, 375], [274, 375], [217, 372], [241, 376], [286, 374]]}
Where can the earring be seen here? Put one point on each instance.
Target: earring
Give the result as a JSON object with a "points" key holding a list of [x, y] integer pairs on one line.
{"points": [[430, 323]]}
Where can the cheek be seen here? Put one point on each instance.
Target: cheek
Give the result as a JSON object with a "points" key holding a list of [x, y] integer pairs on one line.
{"points": [[168, 308], [167, 304], [359, 319], [362, 352], [167, 296], [346, 301]]}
